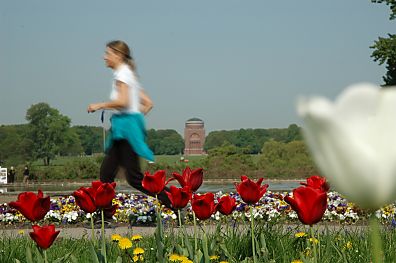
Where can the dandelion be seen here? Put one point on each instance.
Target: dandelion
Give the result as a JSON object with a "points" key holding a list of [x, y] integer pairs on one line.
{"points": [[125, 243], [297, 261], [116, 237], [21, 232], [174, 258], [138, 251], [313, 240], [223, 261], [300, 234], [348, 245], [136, 237], [137, 258], [214, 257]]}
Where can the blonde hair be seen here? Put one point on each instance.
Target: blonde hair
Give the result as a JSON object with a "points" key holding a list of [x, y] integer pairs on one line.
{"points": [[122, 48]]}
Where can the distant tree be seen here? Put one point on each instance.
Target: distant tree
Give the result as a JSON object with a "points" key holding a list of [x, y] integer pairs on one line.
{"points": [[15, 146], [385, 48], [385, 53], [391, 4], [286, 159], [71, 145], [91, 138], [167, 142], [251, 140], [47, 130]]}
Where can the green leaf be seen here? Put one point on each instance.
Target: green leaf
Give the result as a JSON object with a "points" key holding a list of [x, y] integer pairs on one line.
{"points": [[64, 258], [93, 254], [198, 256], [205, 248], [119, 259], [17, 261], [29, 257]]}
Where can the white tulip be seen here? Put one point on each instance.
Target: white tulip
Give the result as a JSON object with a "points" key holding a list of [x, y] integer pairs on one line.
{"points": [[353, 142]]}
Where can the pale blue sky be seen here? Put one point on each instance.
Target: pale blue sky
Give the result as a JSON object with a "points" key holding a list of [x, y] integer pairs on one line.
{"points": [[234, 64]]}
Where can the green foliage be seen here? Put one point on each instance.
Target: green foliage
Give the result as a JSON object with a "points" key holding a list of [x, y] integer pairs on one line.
{"points": [[15, 147], [47, 130], [276, 243], [251, 140], [385, 48], [391, 4], [286, 160], [165, 142], [228, 161], [91, 138], [385, 52]]}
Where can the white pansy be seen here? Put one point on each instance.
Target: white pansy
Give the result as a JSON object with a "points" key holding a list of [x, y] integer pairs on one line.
{"points": [[353, 142]]}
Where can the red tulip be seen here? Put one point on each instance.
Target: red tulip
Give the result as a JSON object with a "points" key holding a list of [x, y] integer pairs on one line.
{"points": [[33, 207], [192, 178], [104, 195], [226, 205], [309, 203], [317, 182], [44, 236], [85, 199], [250, 191], [179, 197], [154, 183], [203, 205]]}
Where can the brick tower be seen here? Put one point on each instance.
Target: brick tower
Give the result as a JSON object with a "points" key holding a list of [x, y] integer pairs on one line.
{"points": [[194, 137]]}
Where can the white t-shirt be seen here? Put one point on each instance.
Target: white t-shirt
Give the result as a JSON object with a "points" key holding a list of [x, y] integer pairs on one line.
{"points": [[124, 74]]}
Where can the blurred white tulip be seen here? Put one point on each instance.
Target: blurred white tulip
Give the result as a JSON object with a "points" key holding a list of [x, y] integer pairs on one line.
{"points": [[353, 142]]}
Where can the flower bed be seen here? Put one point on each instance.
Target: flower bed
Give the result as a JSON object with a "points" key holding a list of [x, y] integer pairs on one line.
{"points": [[139, 210]]}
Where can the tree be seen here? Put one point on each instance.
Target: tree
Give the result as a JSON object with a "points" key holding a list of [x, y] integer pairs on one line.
{"points": [[47, 130], [167, 142], [91, 138], [391, 4], [385, 48]]}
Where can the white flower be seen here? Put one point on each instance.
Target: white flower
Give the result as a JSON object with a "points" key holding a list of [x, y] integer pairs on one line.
{"points": [[353, 142]]}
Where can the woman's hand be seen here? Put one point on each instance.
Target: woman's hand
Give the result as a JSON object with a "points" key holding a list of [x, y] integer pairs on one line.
{"points": [[94, 107]]}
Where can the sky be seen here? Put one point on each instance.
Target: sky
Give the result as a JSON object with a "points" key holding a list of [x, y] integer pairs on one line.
{"points": [[232, 63]]}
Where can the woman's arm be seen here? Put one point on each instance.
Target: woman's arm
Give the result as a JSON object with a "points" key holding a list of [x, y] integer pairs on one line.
{"points": [[121, 102], [146, 104]]}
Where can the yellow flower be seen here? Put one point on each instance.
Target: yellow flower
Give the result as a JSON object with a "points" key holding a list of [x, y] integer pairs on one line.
{"points": [[21, 232], [125, 243], [296, 261], [348, 245], [136, 237], [137, 258], [116, 237], [174, 257], [223, 261], [138, 251], [300, 234], [313, 240], [187, 261], [214, 257]]}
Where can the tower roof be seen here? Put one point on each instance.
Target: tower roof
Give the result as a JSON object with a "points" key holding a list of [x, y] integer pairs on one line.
{"points": [[195, 120]]}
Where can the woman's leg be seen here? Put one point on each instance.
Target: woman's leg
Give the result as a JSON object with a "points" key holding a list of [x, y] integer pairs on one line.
{"points": [[131, 162], [110, 164]]}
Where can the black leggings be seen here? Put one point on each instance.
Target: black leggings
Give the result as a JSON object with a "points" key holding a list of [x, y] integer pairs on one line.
{"points": [[122, 154]]}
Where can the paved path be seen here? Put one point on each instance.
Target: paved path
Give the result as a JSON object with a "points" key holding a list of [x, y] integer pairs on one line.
{"points": [[78, 232]]}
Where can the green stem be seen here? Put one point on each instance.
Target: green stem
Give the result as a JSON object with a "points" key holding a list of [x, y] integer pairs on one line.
{"points": [[103, 239], [195, 234], [205, 245], [376, 244], [313, 243], [93, 230], [45, 256], [252, 226], [180, 224]]}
